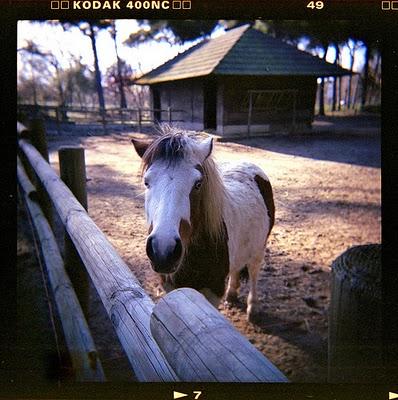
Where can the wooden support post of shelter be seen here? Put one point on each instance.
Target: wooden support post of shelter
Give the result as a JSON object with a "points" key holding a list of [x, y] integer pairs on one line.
{"points": [[169, 115], [250, 113], [84, 356], [125, 301], [202, 346], [57, 118], [139, 120], [355, 317], [73, 172]]}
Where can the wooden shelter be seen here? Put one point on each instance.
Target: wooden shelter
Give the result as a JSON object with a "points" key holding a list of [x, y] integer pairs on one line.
{"points": [[241, 83]]}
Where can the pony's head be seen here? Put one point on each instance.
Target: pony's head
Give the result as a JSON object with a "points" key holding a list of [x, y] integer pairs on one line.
{"points": [[183, 196]]}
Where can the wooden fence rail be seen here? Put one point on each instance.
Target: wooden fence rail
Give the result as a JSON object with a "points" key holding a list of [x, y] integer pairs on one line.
{"points": [[127, 304], [135, 116], [182, 338], [84, 356]]}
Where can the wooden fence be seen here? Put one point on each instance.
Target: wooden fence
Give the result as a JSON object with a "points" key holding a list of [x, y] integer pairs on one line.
{"points": [[139, 117], [182, 338]]}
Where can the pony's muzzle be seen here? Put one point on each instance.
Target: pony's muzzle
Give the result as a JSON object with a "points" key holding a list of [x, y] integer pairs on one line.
{"points": [[164, 261]]}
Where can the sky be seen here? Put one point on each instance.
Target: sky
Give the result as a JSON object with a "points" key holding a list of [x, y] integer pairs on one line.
{"points": [[150, 55], [56, 40]]}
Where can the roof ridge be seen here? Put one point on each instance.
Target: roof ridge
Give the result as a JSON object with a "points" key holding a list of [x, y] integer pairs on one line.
{"points": [[203, 42]]}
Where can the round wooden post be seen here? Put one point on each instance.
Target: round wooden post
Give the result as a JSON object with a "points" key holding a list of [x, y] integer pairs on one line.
{"points": [[202, 346], [355, 318], [73, 172], [38, 137], [72, 167]]}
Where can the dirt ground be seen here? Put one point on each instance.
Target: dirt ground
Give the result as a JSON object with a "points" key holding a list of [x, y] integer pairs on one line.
{"points": [[327, 198]]}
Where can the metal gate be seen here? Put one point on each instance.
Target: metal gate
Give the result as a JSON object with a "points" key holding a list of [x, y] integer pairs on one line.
{"points": [[272, 102]]}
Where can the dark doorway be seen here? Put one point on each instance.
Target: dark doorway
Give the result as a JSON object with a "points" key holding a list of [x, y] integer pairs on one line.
{"points": [[156, 105], [210, 103]]}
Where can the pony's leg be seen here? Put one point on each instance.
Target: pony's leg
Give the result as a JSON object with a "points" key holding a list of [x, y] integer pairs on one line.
{"points": [[253, 305], [166, 282], [233, 287]]}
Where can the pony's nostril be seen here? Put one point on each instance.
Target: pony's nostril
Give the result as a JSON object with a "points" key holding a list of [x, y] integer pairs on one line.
{"points": [[149, 247], [178, 248], [163, 260]]}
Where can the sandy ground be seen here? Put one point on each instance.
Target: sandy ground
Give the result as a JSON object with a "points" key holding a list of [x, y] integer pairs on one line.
{"points": [[327, 197]]}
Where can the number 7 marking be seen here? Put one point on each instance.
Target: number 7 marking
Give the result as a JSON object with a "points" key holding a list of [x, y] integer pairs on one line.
{"points": [[197, 394]]}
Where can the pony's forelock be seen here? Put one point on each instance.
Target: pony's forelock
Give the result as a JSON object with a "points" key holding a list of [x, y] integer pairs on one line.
{"points": [[169, 145]]}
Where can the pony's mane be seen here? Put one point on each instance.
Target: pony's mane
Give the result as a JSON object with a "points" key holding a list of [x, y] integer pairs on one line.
{"points": [[172, 145]]}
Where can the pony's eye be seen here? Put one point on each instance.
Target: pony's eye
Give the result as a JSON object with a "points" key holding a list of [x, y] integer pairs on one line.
{"points": [[198, 185], [146, 183]]}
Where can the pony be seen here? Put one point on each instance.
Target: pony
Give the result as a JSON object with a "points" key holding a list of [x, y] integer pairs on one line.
{"points": [[207, 221]]}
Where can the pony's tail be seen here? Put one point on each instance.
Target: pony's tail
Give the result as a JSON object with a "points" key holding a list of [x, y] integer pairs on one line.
{"points": [[244, 274]]}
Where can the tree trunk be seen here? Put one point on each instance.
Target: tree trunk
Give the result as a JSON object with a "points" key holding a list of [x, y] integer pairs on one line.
{"points": [[376, 79], [334, 101], [98, 83], [365, 81], [123, 102], [352, 59], [61, 92]]}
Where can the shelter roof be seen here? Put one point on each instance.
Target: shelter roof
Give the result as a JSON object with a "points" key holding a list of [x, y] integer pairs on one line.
{"points": [[241, 51]]}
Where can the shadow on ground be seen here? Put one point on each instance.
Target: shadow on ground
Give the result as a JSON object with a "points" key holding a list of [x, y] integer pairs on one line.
{"points": [[352, 140], [348, 149]]}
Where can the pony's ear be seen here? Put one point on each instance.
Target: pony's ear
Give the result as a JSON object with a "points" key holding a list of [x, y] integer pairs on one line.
{"points": [[140, 145], [204, 149]]}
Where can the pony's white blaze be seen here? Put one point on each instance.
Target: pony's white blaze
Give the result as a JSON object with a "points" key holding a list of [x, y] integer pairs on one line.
{"points": [[167, 199]]}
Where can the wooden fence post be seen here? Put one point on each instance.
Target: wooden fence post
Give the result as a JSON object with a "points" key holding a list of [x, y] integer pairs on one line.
{"points": [[39, 140], [73, 173], [202, 346], [355, 317], [38, 137]]}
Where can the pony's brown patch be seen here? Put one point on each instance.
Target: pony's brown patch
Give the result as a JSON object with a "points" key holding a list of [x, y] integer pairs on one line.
{"points": [[185, 232], [266, 192]]}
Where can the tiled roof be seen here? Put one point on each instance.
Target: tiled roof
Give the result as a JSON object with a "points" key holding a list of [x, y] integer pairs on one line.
{"points": [[241, 51]]}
